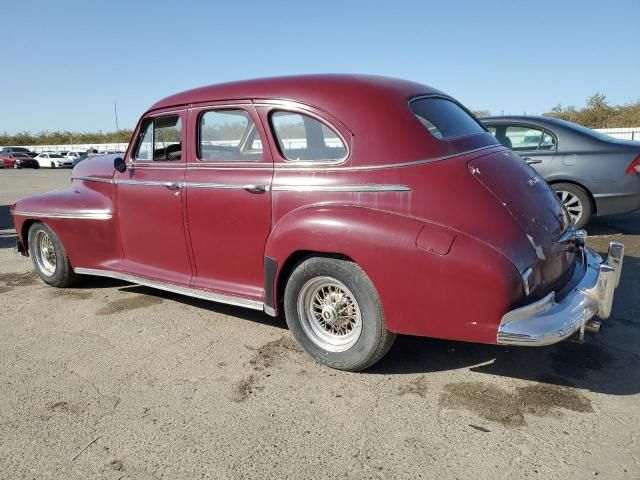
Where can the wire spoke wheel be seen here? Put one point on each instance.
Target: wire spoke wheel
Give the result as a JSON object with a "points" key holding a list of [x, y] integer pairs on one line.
{"points": [[329, 314], [572, 203], [45, 253]]}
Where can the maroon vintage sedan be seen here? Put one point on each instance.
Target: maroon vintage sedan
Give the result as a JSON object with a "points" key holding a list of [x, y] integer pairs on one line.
{"points": [[360, 207]]}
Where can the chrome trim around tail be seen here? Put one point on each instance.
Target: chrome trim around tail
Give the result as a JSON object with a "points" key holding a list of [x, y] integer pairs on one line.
{"points": [[169, 287]]}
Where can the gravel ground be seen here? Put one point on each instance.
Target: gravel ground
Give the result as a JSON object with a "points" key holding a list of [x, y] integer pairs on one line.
{"points": [[109, 380]]}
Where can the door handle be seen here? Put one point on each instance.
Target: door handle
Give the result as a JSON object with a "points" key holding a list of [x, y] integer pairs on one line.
{"points": [[255, 188], [532, 161], [173, 186]]}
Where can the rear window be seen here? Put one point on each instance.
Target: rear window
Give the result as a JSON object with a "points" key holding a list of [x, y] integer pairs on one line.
{"points": [[444, 118]]}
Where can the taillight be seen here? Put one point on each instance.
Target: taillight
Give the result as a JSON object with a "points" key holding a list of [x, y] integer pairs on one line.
{"points": [[635, 166]]}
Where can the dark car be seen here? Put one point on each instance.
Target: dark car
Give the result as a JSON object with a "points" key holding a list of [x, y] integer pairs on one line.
{"points": [[18, 160], [7, 150], [328, 198], [592, 173]]}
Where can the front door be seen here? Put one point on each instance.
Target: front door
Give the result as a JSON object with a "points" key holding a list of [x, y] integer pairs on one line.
{"points": [[150, 202], [229, 199]]}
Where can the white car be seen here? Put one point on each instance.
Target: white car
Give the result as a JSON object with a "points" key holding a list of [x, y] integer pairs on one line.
{"points": [[53, 160], [71, 155]]}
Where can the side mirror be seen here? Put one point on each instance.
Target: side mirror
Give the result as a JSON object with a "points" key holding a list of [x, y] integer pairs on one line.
{"points": [[119, 164]]}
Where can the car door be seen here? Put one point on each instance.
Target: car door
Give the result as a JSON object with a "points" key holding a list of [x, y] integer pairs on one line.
{"points": [[228, 195], [150, 202], [536, 145]]}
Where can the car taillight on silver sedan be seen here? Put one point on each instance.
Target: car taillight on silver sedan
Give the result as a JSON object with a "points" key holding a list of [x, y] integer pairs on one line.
{"points": [[635, 166]]}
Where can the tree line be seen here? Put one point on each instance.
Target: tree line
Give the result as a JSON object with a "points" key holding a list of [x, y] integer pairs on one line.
{"points": [[597, 113]]}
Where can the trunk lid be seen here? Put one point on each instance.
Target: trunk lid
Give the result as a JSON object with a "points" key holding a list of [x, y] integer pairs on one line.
{"points": [[535, 208]]}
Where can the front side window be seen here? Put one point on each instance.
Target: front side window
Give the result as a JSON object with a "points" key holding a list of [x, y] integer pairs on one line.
{"points": [[304, 138], [444, 118], [528, 138], [161, 139], [228, 135]]}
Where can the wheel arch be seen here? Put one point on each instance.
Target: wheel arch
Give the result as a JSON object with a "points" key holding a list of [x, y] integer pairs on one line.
{"points": [[329, 231]]}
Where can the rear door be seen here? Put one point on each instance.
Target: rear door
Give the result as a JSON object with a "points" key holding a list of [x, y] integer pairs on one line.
{"points": [[228, 198]]}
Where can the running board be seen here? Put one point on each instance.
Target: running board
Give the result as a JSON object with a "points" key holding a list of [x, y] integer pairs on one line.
{"points": [[169, 287]]}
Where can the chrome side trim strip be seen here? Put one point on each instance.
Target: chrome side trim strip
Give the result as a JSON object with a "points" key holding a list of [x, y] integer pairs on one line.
{"points": [[94, 179], [341, 188], [293, 167], [88, 215], [215, 185], [169, 287], [147, 183]]}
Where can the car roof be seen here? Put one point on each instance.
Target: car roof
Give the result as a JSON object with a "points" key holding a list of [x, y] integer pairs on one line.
{"points": [[314, 90]]}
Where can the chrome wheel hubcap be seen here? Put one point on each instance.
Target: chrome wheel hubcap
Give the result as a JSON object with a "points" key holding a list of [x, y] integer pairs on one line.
{"points": [[45, 253], [572, 203], [329, 314]]}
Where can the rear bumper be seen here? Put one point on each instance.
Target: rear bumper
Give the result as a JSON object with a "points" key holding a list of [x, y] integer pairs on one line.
{"points": [[548, 321]]}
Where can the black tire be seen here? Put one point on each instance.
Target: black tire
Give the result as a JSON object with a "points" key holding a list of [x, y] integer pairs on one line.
{"points": [[373, 340], [573, 193], [53, 164], [36, 166], [62, 275]]}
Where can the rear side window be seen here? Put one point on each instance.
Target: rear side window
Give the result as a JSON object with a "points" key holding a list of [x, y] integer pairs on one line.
{"points": [[444, 118], [527, 138], [229, 135], [304, 138]]}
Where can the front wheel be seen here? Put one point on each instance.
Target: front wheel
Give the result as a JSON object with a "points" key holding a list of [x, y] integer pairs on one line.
{"points": [[576, 201], [334, 312], [49, 257], [53, 164]]}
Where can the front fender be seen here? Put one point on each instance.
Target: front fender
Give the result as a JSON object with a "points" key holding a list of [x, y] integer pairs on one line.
{"points": [[82, 216], [459, 293]]}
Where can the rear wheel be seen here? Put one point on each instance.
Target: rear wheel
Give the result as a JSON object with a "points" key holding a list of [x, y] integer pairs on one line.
{"points": [[576, 201], [334, 312], [49, 257]]}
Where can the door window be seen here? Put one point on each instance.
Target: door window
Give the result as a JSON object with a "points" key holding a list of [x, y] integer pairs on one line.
{"points": [[527, 138], [228, 135], [304, 138], [161, 139]]}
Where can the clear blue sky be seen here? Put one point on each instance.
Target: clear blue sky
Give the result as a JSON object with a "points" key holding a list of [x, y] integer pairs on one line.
{"points": [[65, 62]]}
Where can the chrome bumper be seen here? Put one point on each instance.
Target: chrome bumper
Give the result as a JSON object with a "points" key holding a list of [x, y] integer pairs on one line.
{"points": [[547, 321]]}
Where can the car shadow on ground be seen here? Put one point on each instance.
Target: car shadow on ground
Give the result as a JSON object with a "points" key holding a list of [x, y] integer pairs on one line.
{"points": [[608, 362]]}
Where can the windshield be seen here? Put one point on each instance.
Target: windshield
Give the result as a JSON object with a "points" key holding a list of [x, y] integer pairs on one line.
{"points": [[55, 155]]}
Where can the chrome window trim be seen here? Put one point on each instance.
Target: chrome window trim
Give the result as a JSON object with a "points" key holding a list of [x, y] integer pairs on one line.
{"points": [[198, 145], [170, 287], [291, 108], [88, 215]]}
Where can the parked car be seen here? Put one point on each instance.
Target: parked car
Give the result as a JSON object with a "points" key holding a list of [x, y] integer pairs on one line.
{"points": [[7, 150], [18, 160], [72, 154], [592, 173], [360, 207], [79, 158], [53, 160]]}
